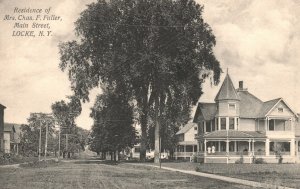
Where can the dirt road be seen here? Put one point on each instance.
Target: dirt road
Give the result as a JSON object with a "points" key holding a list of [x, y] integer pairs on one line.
{"points": [[99, 175]]}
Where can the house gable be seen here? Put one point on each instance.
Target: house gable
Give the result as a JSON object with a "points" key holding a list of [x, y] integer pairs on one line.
{"points": [[281, 109]]}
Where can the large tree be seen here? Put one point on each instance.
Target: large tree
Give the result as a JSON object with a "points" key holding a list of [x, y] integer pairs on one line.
{"points": [[65, 114], [113, 129], [31, 133], [157, 49]]}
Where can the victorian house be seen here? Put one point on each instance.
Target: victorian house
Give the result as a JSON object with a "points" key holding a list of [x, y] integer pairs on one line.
{"points": [[238, 125]]}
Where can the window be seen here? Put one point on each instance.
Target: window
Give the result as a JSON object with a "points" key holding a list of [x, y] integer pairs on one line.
{"points": [[223, 123], [280, 147], [271, 125], [136, 149], [231, 106], [208, 127], [280, 110], [213, 128], [196, 128], [231, 123]]}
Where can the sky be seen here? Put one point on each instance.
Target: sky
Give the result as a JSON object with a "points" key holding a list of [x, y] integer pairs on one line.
{"points": [[257, 40]]}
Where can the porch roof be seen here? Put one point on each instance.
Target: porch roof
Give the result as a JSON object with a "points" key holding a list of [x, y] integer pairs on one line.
{"points": [[187, 143], [234, 134]]}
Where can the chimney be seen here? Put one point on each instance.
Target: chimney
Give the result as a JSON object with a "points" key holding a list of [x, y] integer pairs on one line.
{"points": [[241, 85]]}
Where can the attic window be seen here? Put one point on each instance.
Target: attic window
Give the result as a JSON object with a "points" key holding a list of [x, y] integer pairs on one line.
{"points": [[231, 106], [280, 110]]}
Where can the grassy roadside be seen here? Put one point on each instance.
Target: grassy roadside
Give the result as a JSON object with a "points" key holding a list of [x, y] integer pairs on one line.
{"points": [[277, 174], [83, 174]]}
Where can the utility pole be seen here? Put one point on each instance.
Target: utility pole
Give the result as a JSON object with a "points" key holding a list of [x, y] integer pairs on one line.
{"points": [[40, 142], [46, 142], [67, 145], [59, 143]]}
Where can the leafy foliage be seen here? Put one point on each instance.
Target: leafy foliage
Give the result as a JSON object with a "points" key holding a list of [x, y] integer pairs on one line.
{"points": [[29, 143], [113, 123], [65, 114], [158, 50]]}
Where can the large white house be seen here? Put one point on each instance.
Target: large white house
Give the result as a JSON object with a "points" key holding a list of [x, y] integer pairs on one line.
{"points": [[238, 125]]}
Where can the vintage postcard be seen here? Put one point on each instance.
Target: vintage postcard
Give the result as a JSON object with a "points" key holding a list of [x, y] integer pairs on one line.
{"points": [[149, 94]]}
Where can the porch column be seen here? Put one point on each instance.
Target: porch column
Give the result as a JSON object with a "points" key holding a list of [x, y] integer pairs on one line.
{"points": [[267, 147], [253, 147], [204, 146], [249, 148], [175, 153], [235, 147], [219, 146], [292, 147], [227, 146]]}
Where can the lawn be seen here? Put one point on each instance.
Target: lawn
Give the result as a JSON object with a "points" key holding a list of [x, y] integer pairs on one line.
{"points": [[100, 175], [276, 174]]}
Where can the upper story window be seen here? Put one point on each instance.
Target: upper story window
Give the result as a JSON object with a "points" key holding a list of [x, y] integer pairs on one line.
{"points": [[208, 126], [231, 106], [271, 125], [223, 123], [280, 110], [196, 128], [231, 123]]}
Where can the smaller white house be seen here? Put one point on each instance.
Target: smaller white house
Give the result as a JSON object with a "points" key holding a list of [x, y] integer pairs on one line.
{"points": [[187, 144], [11, 133]]}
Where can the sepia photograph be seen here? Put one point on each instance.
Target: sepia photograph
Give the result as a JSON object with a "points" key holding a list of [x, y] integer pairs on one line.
{"points": [[119, 94]]}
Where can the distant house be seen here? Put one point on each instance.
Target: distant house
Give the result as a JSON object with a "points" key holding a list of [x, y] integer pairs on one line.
{"points": [[187, 144], [240, 125], [2, 127], [12, 137]]}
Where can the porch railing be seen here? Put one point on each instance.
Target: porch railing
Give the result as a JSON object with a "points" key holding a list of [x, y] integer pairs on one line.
{"points": [[184, 154]]}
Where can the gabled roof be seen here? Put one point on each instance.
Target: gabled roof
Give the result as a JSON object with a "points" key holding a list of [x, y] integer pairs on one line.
{"points": [[207, 110], [186, 128], [15, 129], [250, 105], [227, 90], [1, 106], [267, 106], [235, 134]]}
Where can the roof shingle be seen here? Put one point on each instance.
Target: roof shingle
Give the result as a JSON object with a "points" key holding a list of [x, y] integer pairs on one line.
{"points": [[227, 91]]}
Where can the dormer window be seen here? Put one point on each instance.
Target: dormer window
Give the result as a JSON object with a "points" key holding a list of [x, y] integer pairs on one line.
{"points": [[280, 110], [231, 106]]}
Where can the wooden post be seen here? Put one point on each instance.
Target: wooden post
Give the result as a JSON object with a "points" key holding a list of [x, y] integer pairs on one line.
{"points": [[267, 147], [46, 141]]}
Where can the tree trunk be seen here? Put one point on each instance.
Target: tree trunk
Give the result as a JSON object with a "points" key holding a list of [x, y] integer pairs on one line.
{"points": [[144, 134], [157, 138]]}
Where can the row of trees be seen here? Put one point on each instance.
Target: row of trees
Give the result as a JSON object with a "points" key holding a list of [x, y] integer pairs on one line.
{"points": [[61, 130], [149, 56]]}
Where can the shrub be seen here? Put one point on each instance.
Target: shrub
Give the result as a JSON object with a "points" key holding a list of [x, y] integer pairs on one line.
{"points": [[197, 169], [241, 160], [259, 161]]}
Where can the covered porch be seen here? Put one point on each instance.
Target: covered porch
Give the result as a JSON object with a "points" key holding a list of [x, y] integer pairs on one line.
{"points": [[185, 150], [230, 146]]}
